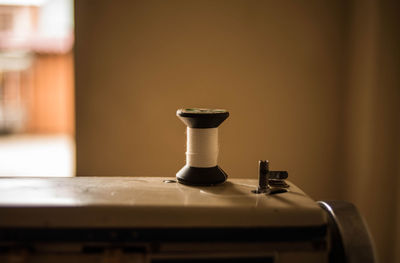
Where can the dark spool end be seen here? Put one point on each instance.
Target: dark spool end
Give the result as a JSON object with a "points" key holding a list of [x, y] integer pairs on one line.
{"points": [[202, 119], [201, 176]]}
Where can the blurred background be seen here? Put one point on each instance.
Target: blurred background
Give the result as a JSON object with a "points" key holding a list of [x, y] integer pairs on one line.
{"points": [[36, 88], [313, 86]]}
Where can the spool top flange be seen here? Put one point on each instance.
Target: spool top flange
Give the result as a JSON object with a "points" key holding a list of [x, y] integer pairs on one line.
{"points": [[202, 118]]}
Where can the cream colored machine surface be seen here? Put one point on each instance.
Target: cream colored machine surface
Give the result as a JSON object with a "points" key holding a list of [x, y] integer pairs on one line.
{"points": [[150, 202], [125, 219]]}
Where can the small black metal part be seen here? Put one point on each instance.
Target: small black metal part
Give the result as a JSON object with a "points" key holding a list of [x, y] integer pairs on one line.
{"points": [[277, 183], [280, 175], [276, 190], [263, 167], [270, 182]]}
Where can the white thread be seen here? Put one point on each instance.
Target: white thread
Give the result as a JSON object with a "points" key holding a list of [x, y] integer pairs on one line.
{"points": [[202, 147]]}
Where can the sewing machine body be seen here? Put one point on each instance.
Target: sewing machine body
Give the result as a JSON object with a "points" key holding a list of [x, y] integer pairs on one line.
{"points": [[133, 219]]}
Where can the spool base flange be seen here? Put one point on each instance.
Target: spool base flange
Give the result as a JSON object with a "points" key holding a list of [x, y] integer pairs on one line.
{"points": [[201, 176]]}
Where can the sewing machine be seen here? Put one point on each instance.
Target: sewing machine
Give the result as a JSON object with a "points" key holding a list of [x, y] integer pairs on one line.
{"points": [[122, 219]]}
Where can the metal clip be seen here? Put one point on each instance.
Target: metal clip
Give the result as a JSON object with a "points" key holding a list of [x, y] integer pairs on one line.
{"points": [[270, 182]]}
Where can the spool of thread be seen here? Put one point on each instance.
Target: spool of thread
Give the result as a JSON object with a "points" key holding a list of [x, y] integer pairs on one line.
{"points": [[202, 146]]}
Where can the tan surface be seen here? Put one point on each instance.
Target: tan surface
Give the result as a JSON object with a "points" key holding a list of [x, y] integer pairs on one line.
{"points": [[149, 202]]}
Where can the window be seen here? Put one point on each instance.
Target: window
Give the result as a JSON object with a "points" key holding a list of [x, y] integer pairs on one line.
{"points": [[36, 88]]}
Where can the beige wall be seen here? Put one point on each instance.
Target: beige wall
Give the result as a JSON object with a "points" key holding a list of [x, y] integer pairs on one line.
{"points": [[290, 73], [275, 66], [372, 140]]}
